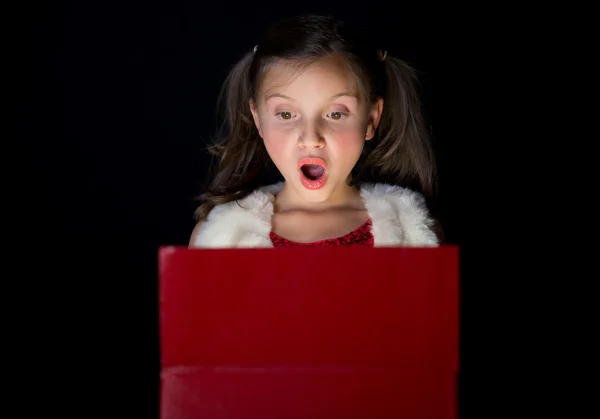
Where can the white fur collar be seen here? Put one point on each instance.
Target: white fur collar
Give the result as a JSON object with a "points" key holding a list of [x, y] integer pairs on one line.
{"points": [[399, 218]]}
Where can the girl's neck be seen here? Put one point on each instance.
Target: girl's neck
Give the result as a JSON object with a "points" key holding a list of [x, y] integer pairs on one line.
{"points": [[344, 197]]}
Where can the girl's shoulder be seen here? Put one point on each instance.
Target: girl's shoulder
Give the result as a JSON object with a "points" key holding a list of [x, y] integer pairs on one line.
{"points": [[246, 220], [400, 214], [382, 196]]}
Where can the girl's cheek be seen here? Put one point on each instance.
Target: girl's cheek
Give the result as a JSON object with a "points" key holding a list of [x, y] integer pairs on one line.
{"points": [[274, 140], [346, 131]]}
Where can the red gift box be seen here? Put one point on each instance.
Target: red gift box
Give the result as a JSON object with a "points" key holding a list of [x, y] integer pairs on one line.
{"points": [[347, 332]]}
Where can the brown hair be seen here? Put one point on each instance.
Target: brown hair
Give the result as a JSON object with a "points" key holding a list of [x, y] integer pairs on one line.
{"points": [[399, 154]]}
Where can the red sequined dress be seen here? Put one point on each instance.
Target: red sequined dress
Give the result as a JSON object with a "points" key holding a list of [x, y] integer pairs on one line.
{"points": [[361, 236]]}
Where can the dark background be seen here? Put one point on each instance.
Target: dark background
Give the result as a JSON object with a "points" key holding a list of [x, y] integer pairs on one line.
{"points": [[118, 106]]}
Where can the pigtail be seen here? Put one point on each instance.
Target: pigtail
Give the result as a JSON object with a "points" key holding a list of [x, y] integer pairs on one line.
{"points": [[238, 148], [232, 106], [402, 153]]}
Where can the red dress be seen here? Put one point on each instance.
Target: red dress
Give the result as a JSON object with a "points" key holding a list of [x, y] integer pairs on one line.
{"points": [[361, 236]]}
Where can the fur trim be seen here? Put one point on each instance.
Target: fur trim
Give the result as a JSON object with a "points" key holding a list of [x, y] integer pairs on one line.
{"points": [[399, 217]]}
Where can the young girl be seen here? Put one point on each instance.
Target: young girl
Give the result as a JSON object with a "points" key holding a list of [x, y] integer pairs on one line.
{"points": [[341, 122]]}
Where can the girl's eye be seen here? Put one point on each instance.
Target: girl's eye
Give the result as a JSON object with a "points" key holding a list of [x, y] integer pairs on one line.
{"points": [[337, 115], [285, 115]]}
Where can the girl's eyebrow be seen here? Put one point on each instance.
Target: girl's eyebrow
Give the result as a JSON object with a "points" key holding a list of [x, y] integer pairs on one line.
{"points": [[272, 95], [349, 94]]}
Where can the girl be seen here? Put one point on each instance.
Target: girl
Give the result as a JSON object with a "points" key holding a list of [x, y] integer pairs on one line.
{"points": [[341, 122]]}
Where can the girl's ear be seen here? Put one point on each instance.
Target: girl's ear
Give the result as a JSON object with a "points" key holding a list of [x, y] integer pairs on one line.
{"points": [[254, 112], [374, 117]]}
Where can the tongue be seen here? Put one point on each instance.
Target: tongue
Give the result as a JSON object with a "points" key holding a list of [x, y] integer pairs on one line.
{"points": [[313, 171]]}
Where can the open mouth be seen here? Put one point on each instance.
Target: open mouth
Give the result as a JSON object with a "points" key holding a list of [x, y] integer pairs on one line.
{"points": [[313, 172]]}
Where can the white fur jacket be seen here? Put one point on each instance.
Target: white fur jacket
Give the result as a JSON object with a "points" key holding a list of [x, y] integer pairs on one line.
{"points": [[398, 215]]}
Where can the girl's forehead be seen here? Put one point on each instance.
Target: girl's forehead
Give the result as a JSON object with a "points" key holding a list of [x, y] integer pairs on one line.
{"points": [[326, 74]]}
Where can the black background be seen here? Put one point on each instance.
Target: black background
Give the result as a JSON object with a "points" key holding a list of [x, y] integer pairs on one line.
{"points": [[118, 106]]}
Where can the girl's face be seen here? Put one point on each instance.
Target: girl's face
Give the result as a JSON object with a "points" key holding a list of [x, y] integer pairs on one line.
{"points": [[314, 127]]}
